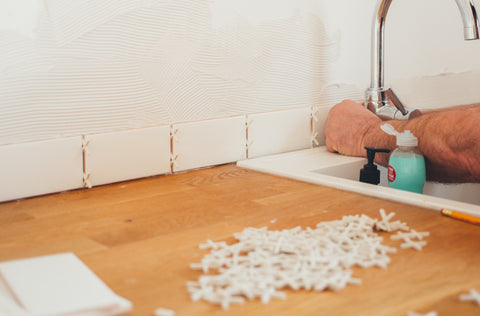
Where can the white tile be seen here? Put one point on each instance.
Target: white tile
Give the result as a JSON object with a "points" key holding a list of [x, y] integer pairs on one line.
{"points": [[207, 143], [59, 284], [38, 168], [277, 132], [126, 155], [320, 114]]}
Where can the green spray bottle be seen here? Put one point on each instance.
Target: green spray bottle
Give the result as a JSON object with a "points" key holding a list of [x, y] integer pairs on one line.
{"points": [[406, 166]]}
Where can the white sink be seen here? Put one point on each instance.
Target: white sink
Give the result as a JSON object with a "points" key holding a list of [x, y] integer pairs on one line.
{"points": [[319, 166]]}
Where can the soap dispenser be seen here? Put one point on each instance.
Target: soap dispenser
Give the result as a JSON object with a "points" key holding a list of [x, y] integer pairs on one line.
{"points": [[406, 166], [370, 173]]}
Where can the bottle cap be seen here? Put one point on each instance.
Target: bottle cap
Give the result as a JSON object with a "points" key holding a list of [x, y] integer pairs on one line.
{"points": [[407, 139]]}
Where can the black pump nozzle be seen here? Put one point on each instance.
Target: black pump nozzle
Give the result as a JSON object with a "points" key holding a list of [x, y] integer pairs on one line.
{"points": [[370, 173]]}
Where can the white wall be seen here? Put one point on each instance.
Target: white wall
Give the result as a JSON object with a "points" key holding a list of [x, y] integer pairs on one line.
{"points": [[428, 61], [79, 67], [74, 67], [70, 68]]}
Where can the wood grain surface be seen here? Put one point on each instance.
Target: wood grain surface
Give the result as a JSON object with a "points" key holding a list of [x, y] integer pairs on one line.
{"points": [[140, 237]]}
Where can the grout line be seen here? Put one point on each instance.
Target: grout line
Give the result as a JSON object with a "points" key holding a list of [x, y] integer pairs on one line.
{"points": [[173, 157], [246, 136], [86, 176], [171, 148], [84, 154], [313, 119]]}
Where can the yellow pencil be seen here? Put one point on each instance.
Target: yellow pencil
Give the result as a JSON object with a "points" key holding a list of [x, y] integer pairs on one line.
{"points": [[460, 216]]}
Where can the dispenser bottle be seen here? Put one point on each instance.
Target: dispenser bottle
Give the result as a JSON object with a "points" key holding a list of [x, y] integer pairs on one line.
{"points": [[406, 166], [370, 173]]}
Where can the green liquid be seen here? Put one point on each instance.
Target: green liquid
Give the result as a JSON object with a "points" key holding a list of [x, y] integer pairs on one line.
{"points": [[409, 173]]}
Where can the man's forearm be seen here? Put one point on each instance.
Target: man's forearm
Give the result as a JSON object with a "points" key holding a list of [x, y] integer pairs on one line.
{"points": [[449, 139]]}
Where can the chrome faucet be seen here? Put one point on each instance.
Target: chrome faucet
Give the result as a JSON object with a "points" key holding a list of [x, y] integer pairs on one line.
{"points": [[378, 97]]}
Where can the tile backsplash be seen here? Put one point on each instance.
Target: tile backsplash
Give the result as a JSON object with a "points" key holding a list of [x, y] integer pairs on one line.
{"points": [[43, 167]]}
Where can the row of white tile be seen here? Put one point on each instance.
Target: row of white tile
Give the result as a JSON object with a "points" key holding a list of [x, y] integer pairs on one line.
{"points": [[43, 167]]}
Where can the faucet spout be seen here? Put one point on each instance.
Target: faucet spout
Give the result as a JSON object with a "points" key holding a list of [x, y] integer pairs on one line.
{"points": [[377, 96], [471, 25]]}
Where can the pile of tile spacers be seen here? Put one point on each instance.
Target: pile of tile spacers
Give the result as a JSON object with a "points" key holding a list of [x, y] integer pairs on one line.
{"points": [[263, 261]]}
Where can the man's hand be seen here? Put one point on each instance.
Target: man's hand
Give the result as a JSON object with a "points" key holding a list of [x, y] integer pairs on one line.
{"points": [[346, 128]]}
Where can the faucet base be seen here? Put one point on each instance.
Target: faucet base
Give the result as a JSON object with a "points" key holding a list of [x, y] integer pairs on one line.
{"points": [[375, 98]]}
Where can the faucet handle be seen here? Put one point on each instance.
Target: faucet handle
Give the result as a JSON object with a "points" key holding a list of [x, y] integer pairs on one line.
{"points": [[406, 114], [387, 106], [396, 101]]}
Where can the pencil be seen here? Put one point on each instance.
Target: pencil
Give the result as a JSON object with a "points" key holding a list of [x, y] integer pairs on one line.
{"points": [[460, 216]]}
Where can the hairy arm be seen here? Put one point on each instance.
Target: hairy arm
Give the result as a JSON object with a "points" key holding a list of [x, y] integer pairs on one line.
{"points": [[449, 138]]}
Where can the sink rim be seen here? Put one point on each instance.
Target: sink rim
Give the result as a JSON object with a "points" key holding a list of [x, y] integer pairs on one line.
{"points": [[303, 165]]}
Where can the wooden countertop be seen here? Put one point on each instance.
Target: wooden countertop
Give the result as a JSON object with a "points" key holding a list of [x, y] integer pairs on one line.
{"points": [[140, 237]]}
